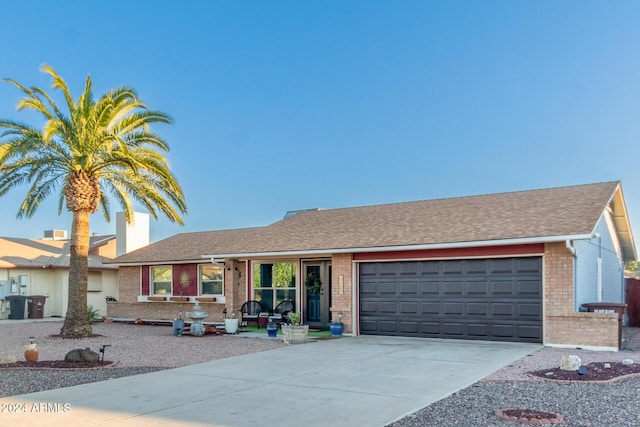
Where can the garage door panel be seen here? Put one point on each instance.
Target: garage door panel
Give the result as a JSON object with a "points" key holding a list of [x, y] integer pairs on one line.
{"points": [[429, 268], [388, 307], [477, 266], [368, 288], [408, 269], [453, 267], [368, 307], [478, 309], [430, 308], [387, 326], [498, 266], [528, 265], [503, 287], [368, 269], [478, 329], [456, 329], [453, 308], [408, 288], [503, 330], [387, 288], [502, 309], [368, 326], [407, 327], [530, 310], [452, 288], [530, 332], [430, 288], [409, 308], [388, 268], [477, 288], [493, 299], [430, 328], [529, 287]]}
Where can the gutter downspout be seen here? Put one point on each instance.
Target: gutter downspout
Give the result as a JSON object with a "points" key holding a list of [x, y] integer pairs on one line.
{"points": [[571, 249], [599, 268]]}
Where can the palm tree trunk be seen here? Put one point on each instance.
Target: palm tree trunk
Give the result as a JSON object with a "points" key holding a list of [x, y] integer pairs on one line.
{"points": [[76, 322]]}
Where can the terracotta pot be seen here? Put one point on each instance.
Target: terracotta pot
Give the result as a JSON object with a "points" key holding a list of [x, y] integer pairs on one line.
{"points": [[31, 353]]}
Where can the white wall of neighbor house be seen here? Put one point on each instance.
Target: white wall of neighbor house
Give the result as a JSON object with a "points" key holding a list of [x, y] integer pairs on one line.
{"points": [[599, 266], [53, 283], [101, 284]]}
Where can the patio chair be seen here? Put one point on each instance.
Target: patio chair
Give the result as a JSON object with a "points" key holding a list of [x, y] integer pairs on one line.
{"points": [[250, 312], [281, 313]]}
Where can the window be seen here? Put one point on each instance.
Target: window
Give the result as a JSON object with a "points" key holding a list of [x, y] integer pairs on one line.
{"points": [[161, 280], [274, 282], [211, 280]]}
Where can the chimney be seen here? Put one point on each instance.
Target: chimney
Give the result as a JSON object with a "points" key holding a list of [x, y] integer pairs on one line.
{"points": [[130, 237]]}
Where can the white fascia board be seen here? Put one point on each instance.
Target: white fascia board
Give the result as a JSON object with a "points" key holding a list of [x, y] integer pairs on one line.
{"points": [[166, 262], [503, 242]]}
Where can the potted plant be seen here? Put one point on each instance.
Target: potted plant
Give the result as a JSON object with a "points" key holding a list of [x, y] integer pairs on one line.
{"points": [[295, 332], [272, 330], [231, 323], [337, 328]]}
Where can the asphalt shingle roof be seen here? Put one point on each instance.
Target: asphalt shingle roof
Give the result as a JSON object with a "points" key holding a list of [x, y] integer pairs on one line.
{"points": [[30, 253], [545, 213]]}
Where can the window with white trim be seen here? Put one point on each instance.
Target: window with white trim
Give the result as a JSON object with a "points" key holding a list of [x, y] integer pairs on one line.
{"points": [[161, 280], [274, 282], [211, 279]]}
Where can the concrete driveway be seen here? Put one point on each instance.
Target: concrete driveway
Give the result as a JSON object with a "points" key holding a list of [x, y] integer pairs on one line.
{"points": [[353, 381]]}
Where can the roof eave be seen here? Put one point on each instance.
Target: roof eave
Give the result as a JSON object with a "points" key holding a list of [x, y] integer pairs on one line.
{"points": [[500, 242]]}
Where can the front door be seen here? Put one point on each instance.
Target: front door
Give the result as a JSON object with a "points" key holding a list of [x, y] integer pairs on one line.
{"points": [[317, 293]]}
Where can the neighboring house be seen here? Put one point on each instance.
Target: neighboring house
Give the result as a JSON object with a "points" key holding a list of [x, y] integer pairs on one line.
{"points": [[41, 267], [505, 267]]}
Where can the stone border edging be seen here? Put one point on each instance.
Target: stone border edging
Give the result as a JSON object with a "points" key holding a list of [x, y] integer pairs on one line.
{"points": [[555, 419]]}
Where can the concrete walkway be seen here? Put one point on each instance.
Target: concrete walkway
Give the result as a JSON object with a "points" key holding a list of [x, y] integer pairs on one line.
{"points": [[359, 381]]}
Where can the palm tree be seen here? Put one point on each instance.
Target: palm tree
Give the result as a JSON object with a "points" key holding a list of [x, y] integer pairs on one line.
{"points": [[93, 149]]}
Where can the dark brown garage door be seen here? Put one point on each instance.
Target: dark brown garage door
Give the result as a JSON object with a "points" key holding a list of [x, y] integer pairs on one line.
{"points": [[486, 299]]}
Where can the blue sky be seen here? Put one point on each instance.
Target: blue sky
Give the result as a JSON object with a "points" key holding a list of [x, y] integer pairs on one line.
{"points": [[283, 105]]}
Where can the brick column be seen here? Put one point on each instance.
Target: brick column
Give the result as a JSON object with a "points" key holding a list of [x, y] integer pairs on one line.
{"points": [[235, 284], [342, 289]]}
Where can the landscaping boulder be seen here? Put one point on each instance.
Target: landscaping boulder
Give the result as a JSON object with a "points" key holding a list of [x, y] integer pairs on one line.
{"points": [[570, 362], [82, 356]]}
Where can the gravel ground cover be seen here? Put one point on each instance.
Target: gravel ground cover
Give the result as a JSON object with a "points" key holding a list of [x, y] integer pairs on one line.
{"points": [[139, 349], [615, 404], [134, 349]]}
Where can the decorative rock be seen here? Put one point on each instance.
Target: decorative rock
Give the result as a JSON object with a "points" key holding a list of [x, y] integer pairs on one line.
{"points": [[8, 360], [549, 374], [570, 362], [607, 365], [582, 370], [82, 356], [627, 362]]}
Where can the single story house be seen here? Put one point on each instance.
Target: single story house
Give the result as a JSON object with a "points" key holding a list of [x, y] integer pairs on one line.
{"points": [[41, 267], [506, 267]]}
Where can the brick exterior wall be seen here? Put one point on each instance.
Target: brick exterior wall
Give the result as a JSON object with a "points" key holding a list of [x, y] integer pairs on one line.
{"points": [[128, 307], [128, 284], [342, 289], [162, 310], [562, 325]]}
